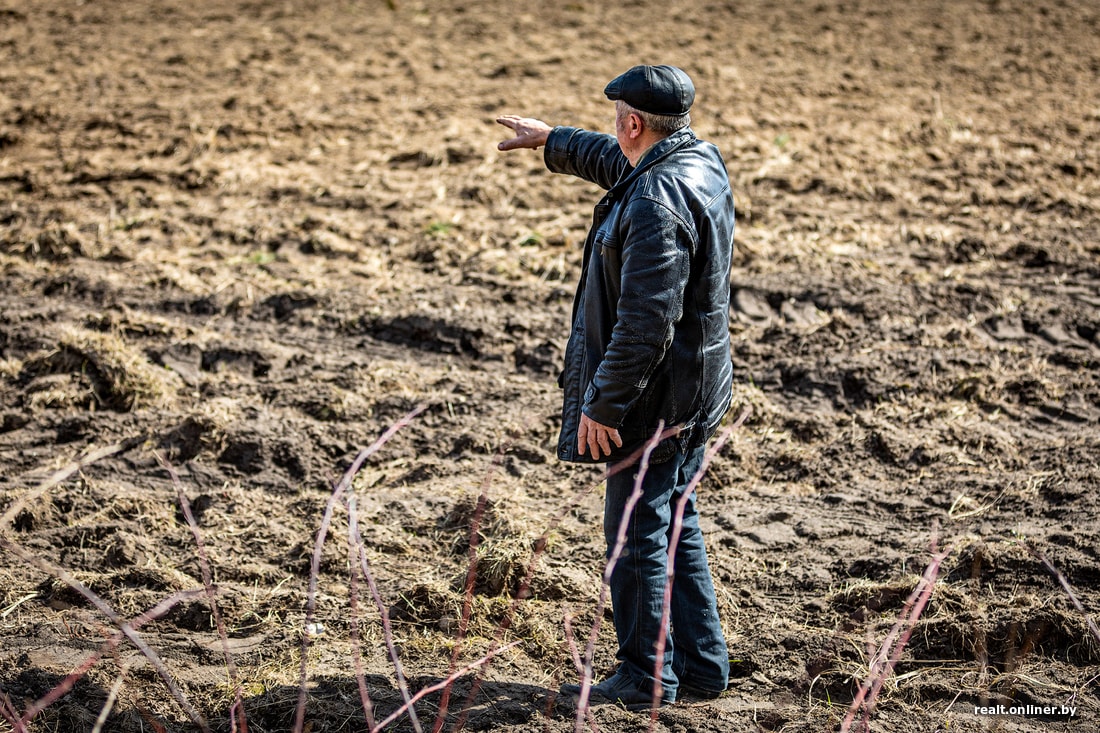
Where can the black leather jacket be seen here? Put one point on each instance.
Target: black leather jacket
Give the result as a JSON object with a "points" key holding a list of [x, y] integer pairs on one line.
{"points": [[650, 333]]}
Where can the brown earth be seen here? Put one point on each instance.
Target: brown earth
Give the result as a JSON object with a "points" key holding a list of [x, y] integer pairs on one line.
{"points": [[240, 240]]}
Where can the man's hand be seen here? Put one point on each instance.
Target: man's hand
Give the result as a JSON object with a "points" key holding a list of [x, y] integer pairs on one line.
{"points": [[530, 133], [596, 437]]}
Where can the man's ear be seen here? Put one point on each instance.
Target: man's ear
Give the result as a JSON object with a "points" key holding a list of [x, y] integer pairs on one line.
{"points": [[636, 126]]}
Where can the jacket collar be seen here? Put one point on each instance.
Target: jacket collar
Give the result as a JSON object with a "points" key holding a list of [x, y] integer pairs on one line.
{"points": [[660, 150]]}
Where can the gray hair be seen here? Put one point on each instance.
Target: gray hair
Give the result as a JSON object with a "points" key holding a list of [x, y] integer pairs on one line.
{"points": [[660, 124]]}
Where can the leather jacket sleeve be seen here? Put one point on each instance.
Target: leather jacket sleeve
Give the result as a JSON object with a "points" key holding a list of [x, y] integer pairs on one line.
{"points": [[593, 156], [656, 263]]}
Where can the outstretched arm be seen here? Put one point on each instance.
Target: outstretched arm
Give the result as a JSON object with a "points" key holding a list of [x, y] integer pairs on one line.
{"points": [[530, 133]]}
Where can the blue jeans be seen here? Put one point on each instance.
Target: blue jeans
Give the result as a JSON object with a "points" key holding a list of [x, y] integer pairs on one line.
{"points": [[695, 648]]}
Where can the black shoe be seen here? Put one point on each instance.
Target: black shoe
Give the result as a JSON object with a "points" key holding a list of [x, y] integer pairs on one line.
{"points": [[570, 689], [697, 693], [619, 689]]}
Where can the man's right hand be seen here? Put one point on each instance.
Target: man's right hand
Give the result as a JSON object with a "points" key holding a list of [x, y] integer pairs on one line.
{"points": [[530, 133]]}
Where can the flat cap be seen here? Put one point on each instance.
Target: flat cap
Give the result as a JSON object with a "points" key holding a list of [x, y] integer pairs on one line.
{"points": [[659, 90]]}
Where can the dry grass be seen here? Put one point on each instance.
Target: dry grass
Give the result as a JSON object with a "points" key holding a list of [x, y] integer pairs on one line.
{"points": [[118, 375], [873, 597], [10, 368]]}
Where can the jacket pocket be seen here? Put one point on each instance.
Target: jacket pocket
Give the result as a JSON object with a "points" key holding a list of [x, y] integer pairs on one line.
{"points": [[608, 245], [609, 250]]}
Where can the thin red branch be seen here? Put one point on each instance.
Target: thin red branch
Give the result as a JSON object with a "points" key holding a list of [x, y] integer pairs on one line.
{"points": [[123, 626], [540, 548], [64, 473], [315, 563], [609, 568], [450, 680], [354, 549], [468, 594], [670, 564], [572, 644], [883, 662], [10, 714], [1068, 589], [63, 687], [211, 597], [387, 629]]}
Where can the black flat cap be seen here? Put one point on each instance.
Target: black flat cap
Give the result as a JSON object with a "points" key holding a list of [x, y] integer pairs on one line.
{"points": [[659, 90]]}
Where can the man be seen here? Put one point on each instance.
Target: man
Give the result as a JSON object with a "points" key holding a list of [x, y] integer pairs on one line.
{"points": [[649, 346]]}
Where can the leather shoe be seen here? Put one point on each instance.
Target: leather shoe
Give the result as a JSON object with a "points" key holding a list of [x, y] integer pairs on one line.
{"points": [[686, 689], [620, 689]]}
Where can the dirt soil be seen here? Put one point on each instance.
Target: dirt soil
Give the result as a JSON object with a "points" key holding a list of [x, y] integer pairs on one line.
{"points": [[240, 240]]}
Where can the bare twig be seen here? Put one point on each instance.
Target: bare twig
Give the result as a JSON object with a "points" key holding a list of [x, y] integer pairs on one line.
{"points": [[929, 580], [572, 644], [211, 597], [450, 680], [1068, 589], [670, 564], [387, 630], [64, 473], [107, 706], [63, 687], [315, 563], [10, 714], [1076, 604], [468, 596], [236, 711], [883, 662], [540, 548], [354, 555], [609, 568], [124, 626], [66, 685]]}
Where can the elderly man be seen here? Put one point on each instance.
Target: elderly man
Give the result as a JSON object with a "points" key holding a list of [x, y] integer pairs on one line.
{"points": [[649, 346]]}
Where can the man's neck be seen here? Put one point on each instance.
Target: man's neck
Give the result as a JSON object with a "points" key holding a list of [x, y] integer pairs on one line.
{"points": [[644, 145]]}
